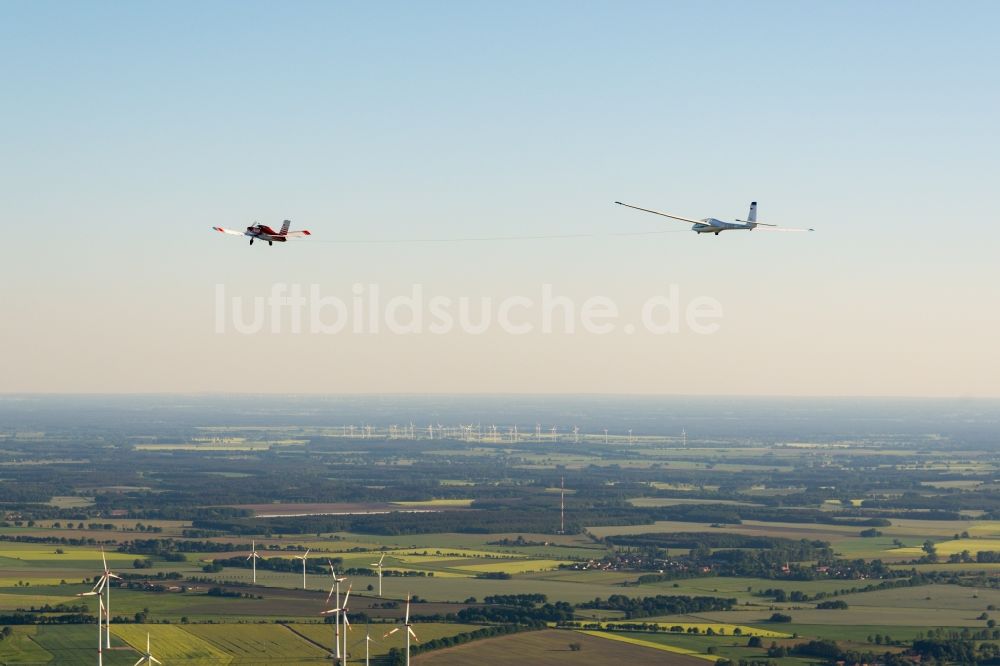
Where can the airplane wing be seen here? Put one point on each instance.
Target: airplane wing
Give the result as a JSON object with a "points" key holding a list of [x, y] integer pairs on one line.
{"points": [[297, 234], [656, 212], [231, 232]]}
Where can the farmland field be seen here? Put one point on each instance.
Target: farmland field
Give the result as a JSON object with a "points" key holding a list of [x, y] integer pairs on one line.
{"points": [[551, 648], [323, 634], [472, 530]]}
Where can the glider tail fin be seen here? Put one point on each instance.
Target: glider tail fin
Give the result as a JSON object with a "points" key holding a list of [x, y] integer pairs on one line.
{"points": [[752, 215], [288, 223]]}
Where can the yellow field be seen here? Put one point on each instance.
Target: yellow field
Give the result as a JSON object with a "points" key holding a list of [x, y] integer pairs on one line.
{"points": [[437, 502], [513, 567], [70, 501], [952, 546], [650, 644], [33, 579], [13, 601], [423, 555], [170, 643], [46, 552]]}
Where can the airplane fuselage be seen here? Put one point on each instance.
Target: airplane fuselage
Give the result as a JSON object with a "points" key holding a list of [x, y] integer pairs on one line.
{"points": [[264, 232], [710, 225]]}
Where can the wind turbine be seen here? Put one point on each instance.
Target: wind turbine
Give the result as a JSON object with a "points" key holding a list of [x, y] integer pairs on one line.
{"points": [[341, 608], [378, 567], [347, 623], [335, 586], [562, 505], [368, 641], [253, 557], [104, 585], [147, 657], [409, 631], [100, 611], [303, 558]]}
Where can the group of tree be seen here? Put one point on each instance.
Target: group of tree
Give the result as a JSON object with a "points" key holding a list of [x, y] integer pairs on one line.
{"points": [[634, 607]]}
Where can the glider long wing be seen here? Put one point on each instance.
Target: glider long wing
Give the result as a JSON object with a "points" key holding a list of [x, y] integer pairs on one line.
{"points": [[774, 227], [656, 212]]}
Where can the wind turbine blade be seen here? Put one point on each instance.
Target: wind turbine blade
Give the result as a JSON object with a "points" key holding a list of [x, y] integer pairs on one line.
{"points": [[105, 559], [111, 575], [413, 634], [332, 588], [390, 633], [380, 559], [407, 610], [152, 658], [347, 596], [347, 622], [139, 662]]}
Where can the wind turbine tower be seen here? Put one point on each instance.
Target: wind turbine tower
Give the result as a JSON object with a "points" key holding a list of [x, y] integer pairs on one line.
{"points": [[100, 612], [340, 609], [368, 640], [336, 587], [147, 656], [409, 631], [562, 505], [104, 585], [253, 557], [378, 568], [303, 558]]}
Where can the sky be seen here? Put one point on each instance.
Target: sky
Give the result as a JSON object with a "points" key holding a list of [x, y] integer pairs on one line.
{"points": [[131, 129]]}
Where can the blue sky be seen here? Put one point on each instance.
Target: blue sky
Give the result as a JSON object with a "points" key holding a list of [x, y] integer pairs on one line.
{"points": [[130, 129]]}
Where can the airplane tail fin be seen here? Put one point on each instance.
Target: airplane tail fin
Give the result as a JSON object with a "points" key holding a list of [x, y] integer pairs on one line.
{"points": [[752, 215], [288, 223]]}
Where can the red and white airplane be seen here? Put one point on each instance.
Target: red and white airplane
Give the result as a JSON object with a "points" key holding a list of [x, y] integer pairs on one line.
{"points": [[264, 232]]}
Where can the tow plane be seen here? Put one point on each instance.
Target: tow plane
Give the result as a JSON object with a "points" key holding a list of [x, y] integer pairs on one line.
{"points": [[263, 232], [710, 225]]}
